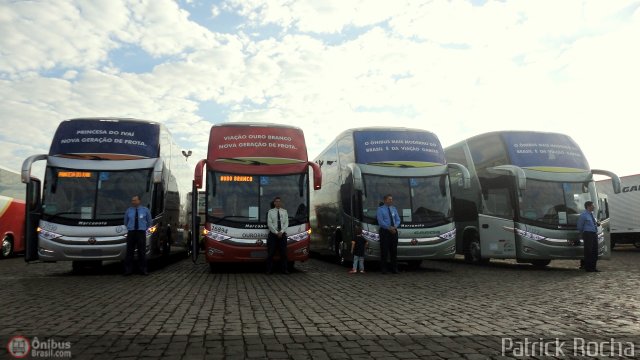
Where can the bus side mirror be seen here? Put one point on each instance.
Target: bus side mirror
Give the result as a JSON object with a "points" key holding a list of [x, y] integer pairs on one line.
{"points": [[198, 174], [466, 176], [615, 180], [34, 196], [157, 171], [317, 175]]}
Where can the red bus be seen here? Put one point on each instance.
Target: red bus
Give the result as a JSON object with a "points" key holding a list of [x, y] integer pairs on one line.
{"points": [[12, 212], [247, 165]]}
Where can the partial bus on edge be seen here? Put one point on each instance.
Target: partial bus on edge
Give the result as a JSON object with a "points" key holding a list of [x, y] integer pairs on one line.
{"points": [[247, 166], [624, 209], [362, 165], [527, 191], [93, 168], [11, 212]]}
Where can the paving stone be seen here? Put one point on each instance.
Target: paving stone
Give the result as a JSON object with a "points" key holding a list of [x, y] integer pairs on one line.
{"points": [[446, 309]]}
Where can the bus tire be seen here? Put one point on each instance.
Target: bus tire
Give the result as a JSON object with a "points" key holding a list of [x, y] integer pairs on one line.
{"points": [[7, 247], [338, 249], [540, 263], [189, 245], [291, 265], [414, 264], [341, 259], [472, 252], [212, 267], [166, 245]]}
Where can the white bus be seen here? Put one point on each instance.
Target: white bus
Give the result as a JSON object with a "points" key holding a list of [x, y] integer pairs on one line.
{"points": [[527, 191], [624, 209], [362, 165], [93, 168]]}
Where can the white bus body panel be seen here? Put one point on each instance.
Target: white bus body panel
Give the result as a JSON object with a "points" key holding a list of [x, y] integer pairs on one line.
{"points": [[624, 208]]}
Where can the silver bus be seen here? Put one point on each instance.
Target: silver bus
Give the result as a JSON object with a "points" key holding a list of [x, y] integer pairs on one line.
{"points": [[527, 191], [93, 168], [362, 165]]}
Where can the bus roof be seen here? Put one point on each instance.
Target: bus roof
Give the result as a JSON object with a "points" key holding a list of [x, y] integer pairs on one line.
{"points": [[394, 146], [383, 128], [536, 150], [107, 138], [251, 148]]}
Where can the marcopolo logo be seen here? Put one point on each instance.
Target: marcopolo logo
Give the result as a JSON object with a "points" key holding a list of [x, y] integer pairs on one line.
{"points": [[20, 347]]}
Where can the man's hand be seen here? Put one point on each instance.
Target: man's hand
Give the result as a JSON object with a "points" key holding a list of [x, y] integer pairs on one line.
{"points": [[280, 234]]}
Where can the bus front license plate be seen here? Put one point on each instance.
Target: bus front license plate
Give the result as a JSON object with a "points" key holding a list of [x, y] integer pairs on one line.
{"points": [[92, 252], [258, 254]]}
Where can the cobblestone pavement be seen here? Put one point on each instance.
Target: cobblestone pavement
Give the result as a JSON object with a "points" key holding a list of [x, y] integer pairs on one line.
{"points": [[445, 309]]}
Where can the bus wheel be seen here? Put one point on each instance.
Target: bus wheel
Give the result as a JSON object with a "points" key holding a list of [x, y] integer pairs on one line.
{"points": [[212, 267], [414, 264], [189, 245], [540, 263], [341, 259], [472, 252], [7, 246], [291, 265]]}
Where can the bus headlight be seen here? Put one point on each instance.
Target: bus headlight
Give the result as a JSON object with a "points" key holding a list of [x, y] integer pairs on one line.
{"points": [[152, 230], [300, 236], [215, 236], [370, 235], [49, 235], [530, 235], [448, 235]]}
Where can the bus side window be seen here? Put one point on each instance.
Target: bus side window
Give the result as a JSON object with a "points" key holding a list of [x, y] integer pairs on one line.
{"points": [[158, 200], [499, 203]]}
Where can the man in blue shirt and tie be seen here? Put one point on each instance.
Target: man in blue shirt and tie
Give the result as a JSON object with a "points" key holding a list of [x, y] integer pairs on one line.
{"points": [[137, 219], [389, 221], [588, 229]]}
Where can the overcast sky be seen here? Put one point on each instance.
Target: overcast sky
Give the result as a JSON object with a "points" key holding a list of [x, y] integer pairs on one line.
{"points": [[457, 68]]}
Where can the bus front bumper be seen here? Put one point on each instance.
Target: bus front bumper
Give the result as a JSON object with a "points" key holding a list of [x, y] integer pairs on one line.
{"points": [[220, 251], [407, 251], [554, 250], [80, 249]]}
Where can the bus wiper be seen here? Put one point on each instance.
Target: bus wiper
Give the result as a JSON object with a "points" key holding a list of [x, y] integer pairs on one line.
{"points": [[90, 157], [63, 213], [231, 216], [390, 164]]}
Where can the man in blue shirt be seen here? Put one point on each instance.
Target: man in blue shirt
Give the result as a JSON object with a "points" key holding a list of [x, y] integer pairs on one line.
{"points": [[389, 221], [137, 219], [588, 229]]}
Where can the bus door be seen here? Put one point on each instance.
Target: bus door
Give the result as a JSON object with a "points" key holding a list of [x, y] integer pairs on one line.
{"points": [[497, 227], [33, 209]]}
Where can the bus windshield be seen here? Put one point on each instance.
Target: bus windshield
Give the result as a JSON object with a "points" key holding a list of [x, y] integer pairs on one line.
{"points": [[247, 198], [554, 203], [90, 194], [420, 200]]}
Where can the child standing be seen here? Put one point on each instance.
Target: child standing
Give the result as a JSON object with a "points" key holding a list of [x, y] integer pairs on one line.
{"points": [[357, 249]]}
